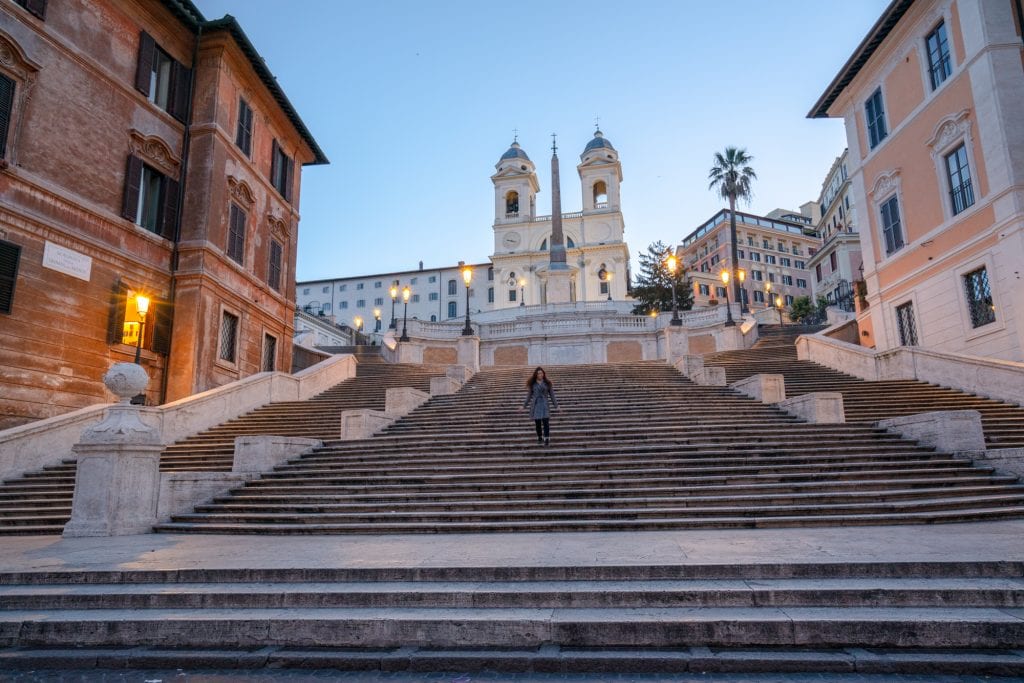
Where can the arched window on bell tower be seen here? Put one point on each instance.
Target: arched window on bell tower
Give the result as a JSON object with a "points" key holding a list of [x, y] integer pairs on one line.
{"points": [[600, 195], [511, 204]]}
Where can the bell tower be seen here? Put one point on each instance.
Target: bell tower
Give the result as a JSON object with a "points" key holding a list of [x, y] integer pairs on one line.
{"points": [[515, 186], [600, 175]]}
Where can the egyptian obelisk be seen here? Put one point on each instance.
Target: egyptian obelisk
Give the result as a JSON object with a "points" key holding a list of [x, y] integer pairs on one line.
{"points": [[559, 275]]}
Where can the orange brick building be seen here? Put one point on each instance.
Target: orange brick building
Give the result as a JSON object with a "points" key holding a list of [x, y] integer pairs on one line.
{"points": [[143, 150]]}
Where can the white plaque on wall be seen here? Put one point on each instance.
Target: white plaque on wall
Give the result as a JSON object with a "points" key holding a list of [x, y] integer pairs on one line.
{"points": [[64, 260]]}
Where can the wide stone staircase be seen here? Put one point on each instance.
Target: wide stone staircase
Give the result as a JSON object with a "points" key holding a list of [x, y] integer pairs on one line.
{"points": [[635, 446], [865, 402], [40, 502], [914, 617]]}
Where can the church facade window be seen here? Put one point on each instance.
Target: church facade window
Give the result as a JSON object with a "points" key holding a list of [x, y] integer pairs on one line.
{"points": [[512, 203]]}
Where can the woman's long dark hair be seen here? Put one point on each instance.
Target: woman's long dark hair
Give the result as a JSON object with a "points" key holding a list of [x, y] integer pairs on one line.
{"points": [[533, 378]]}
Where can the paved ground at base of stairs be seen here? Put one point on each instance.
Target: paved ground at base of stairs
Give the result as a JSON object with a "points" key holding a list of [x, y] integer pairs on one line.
{"points": [[982, 541], [128, 676]]}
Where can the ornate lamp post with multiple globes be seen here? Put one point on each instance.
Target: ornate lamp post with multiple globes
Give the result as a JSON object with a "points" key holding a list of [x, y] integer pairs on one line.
{"points": [[670, 264], [467, 277], [394, 297], [142, 306], [406, 293], [728, 309]]}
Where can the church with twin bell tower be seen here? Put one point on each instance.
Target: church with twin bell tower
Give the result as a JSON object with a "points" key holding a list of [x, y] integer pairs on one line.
{"points": [[561, 257]]}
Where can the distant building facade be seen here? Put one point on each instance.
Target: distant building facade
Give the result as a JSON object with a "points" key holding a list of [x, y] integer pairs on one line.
{"points": [[137, 158], [773, 254], [837, 266], [931, 100]]}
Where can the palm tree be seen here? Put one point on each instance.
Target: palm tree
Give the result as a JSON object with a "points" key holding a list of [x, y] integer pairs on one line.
{"points": [[731, 176]]}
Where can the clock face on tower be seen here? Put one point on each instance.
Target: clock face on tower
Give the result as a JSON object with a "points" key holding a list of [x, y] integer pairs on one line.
{"points": [[511, 240]]}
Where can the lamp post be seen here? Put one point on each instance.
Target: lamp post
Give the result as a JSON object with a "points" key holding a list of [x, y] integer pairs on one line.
{"points": [[467, 277], [768, 294], [742, 275], [670, 264], [729, 322], [522, 291], [778, 306], [376, 318], [406, 293], [394, 296], [142, 306], [608, 279], [358, 320]]}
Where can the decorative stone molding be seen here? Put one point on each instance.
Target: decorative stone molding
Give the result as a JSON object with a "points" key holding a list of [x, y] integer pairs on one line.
{"points": [[950, 129], [241, 192], [155, 151], [14, 60], [885, 183], [278, 226]]}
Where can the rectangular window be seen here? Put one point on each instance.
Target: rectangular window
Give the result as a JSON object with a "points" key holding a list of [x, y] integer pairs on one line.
{"points": [[490, 274], [604, 287], [715, 260], [326, 308], [453, 309], [817, 273], [788, 299], [431, 280], [705, 290], [282, 170], [342, 288], [771, 277], [757, 275], [274, 268], [784, 261], [415, 298], [961, 193], [324, 290], [740, 253], [452, 291], [800, 264], [766, 244], [875, 114], [905, 324], [379, 301], [979, 298], [511, 295], [378, 284], [361, 303], [490, 295], [243, 134], [750, 241], [359, 285], [344, 305], [758, 296], [150, 204], [781, 247], [940, 65], [770, 259], [236, 234], [833, 261], [228, 337], [164, 81], [6, 111], [891, 227], [720, 292], [35, 7], [269, 363], [787, 280], [160, 79], [305, 290], [755, 256], [801, 283], [433, 296], [10, 255]]}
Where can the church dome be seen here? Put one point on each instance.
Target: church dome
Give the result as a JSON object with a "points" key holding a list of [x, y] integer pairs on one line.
{"points": [[599, 142], [515, 152]]}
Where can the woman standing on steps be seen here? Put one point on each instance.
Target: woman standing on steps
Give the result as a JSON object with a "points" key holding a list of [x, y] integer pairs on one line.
{"points": [[540, 399]]}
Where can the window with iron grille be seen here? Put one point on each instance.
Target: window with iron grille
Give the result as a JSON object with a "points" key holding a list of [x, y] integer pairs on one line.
{"points": [[243, 134], [875, 114], [269, 363], [274, 269], [961, 193], [228, 337], [979, 298], [940, 65], [891, 226], [236, 234], [906, 325]]}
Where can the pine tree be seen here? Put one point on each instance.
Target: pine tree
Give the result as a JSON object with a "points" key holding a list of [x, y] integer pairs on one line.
{"points": [[653, 287]]}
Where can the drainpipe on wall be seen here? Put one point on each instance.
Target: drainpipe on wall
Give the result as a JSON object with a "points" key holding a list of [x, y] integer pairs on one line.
{"points": [[185, 144]]}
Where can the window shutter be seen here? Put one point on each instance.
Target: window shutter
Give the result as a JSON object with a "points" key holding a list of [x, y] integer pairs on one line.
{"points": [[274, 154], [115, 322], [161, 341], [169, 217], [6, 108], [289, 173], [10, 255], [132, 183], [36, 7], [147, 50], [181, 81]]}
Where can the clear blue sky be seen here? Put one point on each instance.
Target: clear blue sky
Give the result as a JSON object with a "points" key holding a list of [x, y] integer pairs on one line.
{"points": [[414, 102]]}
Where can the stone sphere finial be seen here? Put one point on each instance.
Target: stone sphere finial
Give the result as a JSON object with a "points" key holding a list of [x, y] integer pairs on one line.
{"points": [[126, 380]]}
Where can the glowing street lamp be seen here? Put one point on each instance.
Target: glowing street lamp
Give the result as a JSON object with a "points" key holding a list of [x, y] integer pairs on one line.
{"points": [[670, 264], [467, 277], [358, 320], [729, 322], [142, 306], [376, 318], [522, 291], [394, 297], [778, 306], [742, 275], [406, 293], [768, 294]]}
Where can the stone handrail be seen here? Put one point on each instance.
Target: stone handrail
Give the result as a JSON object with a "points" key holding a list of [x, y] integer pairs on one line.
{"points": [[48, 442], [998, 379]]}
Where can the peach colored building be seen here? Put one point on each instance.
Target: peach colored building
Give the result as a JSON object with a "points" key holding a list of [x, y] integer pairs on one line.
{"points": [[773, 253], [932, 100], [143, 149]]}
